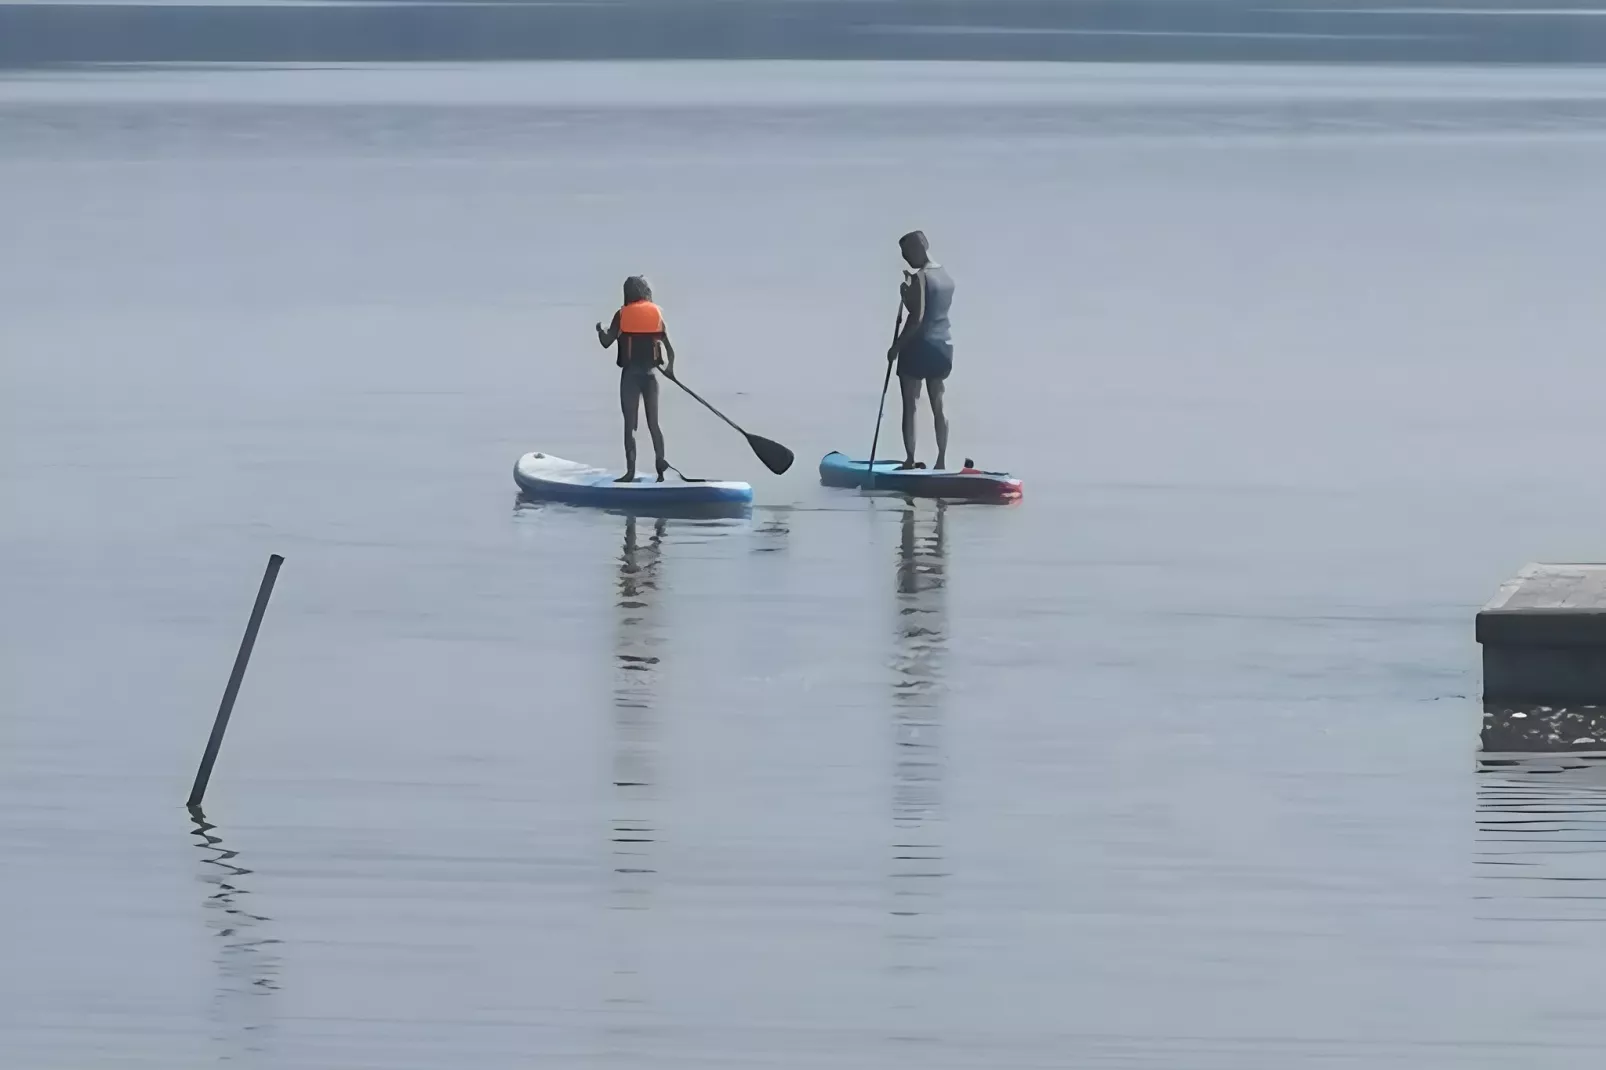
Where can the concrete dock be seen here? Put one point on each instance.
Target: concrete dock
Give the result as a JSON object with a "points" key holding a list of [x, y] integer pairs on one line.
{"points": [[1544, 637]]}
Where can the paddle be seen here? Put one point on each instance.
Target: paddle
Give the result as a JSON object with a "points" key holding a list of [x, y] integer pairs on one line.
{"points": [[886, 381], [776, 457]]}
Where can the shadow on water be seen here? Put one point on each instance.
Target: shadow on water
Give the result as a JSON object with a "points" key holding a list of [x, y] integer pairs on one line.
{"points": [[633, 831], [918, 699], [1541, 855], [247, 966]]}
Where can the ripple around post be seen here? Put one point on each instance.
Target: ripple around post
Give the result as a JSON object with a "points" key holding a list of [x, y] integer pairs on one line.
{"points": [[245, 956]]}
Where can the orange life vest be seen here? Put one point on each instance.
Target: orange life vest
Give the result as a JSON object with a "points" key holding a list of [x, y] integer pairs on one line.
{"points": [[641, 324], [641, 317]]}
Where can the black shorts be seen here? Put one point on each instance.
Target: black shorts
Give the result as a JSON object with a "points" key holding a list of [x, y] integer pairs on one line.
{"points": [[922, 358], [637, 385]]}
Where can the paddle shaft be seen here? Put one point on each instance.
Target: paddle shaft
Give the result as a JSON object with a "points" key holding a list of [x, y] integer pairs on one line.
{"points": [[886, 381]]}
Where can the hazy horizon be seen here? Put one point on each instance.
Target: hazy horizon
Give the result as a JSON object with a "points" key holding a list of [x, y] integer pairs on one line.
{"points": [[47, 32]]}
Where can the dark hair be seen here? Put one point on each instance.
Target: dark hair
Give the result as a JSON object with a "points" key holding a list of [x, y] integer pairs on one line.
{"points": [[637, 289], [916, 236]]}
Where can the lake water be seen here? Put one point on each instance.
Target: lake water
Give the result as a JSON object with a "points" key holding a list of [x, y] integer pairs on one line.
{"points": [[1175, 764]]}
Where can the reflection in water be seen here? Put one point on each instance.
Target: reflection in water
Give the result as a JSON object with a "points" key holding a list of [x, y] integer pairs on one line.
{"points": [[918, 695], [1543, 728], [247, 966], [1542, 840], [771, 536], [633, 832]]}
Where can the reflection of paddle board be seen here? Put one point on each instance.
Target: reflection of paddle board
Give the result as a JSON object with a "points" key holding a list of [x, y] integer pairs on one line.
{"points": [[837, 470], [553, 479]]}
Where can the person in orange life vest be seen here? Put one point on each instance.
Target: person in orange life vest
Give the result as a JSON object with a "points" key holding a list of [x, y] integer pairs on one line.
{"points": [[644, 347]]}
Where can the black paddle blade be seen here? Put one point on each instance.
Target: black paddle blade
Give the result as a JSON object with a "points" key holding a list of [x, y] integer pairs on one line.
{"points": [[776, 457]]}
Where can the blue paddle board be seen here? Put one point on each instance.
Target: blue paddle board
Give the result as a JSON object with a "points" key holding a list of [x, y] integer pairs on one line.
{"points": [[543, 477], [971, 484]]}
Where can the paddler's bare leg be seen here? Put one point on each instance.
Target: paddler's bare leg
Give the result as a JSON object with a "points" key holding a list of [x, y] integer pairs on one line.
{"points": [[911, 403], [649, 399], [629, 406], [939, 420]]}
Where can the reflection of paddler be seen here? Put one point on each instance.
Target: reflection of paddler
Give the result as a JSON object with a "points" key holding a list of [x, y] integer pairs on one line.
{"points": [[633, 829], [917, 865], [638, 578], [634, 661], [918, 698]]}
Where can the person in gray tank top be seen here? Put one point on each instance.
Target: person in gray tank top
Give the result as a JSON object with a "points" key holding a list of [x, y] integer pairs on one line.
{"points": [[924, 349]]}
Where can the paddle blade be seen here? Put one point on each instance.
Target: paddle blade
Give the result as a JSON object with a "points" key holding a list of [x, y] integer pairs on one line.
{"points": [[776, 457]]}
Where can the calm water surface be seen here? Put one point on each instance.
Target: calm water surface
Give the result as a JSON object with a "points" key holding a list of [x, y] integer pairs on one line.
{"points": [[1174, 765]]}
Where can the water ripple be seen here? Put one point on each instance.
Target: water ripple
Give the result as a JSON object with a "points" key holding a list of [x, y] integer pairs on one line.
{"points": [[1542, 839], [247, 964]]}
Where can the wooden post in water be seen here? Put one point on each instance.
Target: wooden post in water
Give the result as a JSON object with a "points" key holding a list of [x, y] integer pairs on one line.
{"points": [[204, 774]]}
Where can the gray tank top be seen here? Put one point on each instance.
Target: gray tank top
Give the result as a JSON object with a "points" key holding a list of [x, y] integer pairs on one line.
{"points": [[939, 296]]}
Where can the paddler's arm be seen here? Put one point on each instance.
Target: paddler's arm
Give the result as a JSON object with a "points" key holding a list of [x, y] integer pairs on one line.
{"points": [[611, 335], [914, 292], [669, 354]]}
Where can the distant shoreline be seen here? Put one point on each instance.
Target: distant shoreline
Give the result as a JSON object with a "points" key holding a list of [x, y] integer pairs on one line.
{"points": [[354, 31]]}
